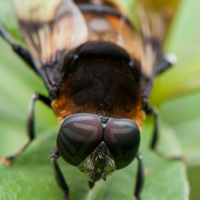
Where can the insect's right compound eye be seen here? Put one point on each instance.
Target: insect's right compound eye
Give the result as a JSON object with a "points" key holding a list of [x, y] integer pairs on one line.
{"points": [[122, 137], [78, 136]]}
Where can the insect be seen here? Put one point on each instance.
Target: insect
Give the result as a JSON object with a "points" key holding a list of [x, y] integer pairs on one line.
{"points": [[99, 71]]}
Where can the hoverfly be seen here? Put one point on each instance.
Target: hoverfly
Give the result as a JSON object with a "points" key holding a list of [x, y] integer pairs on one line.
{"points": [[99, 71]]}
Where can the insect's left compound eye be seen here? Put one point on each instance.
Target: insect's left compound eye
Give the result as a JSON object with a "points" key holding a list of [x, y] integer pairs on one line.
{"points": [[122, 137], [79, 135]]}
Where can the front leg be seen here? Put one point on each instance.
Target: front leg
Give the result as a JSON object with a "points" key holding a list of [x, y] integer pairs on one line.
{"points": [[168, 60], [140, 177], [31, 132], [58, 174], [24, 54], [46, 72], [154, 142]]}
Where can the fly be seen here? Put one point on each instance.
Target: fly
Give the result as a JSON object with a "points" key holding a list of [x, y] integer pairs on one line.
{"points": [[98, 69]]}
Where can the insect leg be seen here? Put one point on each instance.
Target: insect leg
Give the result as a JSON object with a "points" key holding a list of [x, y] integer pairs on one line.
{"points": [[59, 176], [152, 111], [140, 177], [91, 184], [31, 131], [168, 61], [16, 48]]}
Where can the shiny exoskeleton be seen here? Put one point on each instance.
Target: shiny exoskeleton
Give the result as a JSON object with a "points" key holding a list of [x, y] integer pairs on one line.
{"points": [[99, 71]]}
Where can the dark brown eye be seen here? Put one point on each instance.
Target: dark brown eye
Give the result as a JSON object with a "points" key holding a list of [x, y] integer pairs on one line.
{"points": [[122, 137], [79, 135]]}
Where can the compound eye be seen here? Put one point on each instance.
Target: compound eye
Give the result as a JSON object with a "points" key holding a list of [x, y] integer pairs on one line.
{"points": [[122, 137], [78, 136]]}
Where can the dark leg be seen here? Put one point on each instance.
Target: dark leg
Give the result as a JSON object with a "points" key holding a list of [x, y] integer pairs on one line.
{"points": [[59, 176], [19, 50], [167, 62], [46, 72], [155, 137], [31, 132], [91, 184], [140, 178]]}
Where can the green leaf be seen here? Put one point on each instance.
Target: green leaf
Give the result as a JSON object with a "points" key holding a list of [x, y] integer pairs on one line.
{"points": [[183, 40], [31, 175], [7, 18], [184, 116]]}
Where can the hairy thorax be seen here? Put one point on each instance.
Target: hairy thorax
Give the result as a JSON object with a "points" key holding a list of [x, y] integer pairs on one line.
{"points": [[102, 86]]}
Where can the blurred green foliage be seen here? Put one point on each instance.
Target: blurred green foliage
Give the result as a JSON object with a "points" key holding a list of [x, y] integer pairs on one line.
{"points": [[175, 94]]}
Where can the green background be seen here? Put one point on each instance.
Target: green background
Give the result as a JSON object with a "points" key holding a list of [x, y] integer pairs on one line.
{"points": [[176, 95]]}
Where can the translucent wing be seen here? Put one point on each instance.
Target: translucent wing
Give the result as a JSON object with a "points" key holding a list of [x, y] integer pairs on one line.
{"points": [[166, 8], [155, 19], [50, 29]]}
